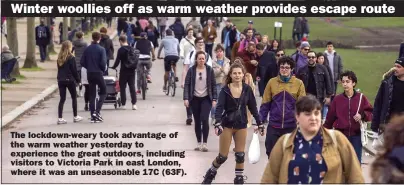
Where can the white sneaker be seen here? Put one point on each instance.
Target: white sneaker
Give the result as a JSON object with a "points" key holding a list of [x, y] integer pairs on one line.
{"points": [[77, 119], [204, 147], [134, 107], [61, 121], [123, 107], [198, 147]]}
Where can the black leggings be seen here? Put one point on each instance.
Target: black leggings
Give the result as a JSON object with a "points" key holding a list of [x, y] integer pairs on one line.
{"points": [[201, 108], [71, 86], [86, 93]]}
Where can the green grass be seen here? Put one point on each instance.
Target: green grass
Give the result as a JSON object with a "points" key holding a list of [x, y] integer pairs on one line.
{"points": [[319, 29], [369, 67], [32, 69], [372, 22], [21, 77]]}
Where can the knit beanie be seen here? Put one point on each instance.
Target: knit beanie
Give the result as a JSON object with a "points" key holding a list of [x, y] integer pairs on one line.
{"points": [[304, 44], [400, 61]]}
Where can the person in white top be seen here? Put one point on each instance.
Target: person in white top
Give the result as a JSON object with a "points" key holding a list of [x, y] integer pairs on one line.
{"points": [[187, 44]]}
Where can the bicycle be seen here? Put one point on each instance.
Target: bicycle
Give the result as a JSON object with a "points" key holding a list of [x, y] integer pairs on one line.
{"points": [[171, 80], [143, 81]]}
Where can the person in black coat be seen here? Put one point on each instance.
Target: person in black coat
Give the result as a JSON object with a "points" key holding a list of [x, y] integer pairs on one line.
{"points": [[200, 94], [266, 64], [42, 38], [67, 78], [106, 43]]}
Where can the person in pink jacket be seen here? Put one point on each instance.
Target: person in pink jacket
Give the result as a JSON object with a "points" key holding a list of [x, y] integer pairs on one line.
{"points": [[249, 37]]}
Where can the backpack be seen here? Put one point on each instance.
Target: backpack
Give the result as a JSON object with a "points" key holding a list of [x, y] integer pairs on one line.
{"points": [[133, 58], [332, 133], [42, 32]]}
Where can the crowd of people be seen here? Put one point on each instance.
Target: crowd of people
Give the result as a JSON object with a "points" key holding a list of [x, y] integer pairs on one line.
{"points": [[312, 134]]}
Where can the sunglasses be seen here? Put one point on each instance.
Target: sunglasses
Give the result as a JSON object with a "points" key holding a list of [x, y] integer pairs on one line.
{"points": [[306, 49], [311, 57], [200, 76], [279, 55]]}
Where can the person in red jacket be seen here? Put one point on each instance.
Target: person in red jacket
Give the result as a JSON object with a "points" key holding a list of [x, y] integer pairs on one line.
{"points": [[250, 58], [347, 110]]}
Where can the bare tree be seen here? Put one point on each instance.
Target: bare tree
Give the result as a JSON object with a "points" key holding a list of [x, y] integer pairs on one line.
{"points": [[65, 27], [12, 42], [30, 61]]}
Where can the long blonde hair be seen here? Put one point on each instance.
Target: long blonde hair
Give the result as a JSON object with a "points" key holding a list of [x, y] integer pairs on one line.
{"points": [[65, 52]]}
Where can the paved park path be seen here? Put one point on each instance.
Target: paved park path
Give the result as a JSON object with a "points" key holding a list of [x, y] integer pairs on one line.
{"points": [[157, 114]]}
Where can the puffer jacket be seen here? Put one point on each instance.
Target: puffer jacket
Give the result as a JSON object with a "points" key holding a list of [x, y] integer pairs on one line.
{"points": [[381, 110], [6, 56], [79, 46], [219, 75], [279, 100]]}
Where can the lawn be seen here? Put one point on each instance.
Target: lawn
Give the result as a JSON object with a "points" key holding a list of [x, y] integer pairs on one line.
{"points": [[368, 66], [319, 29], [372, 22]]}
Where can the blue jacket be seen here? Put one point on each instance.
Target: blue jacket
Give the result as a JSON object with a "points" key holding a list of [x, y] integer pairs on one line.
{"points": [[94, 59]]}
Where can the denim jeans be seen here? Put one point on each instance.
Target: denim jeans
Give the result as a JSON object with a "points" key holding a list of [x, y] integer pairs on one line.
{"points": [[218, 89], [324, 111], [356, 142], [42, 52]]}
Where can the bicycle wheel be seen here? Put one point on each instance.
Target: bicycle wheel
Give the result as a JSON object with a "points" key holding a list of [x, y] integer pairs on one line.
{"points": [[168, 85], [172, 84], [144, 86]]}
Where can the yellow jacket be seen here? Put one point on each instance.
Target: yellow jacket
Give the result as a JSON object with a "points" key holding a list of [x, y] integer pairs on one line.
{"points": [[339, 156]]}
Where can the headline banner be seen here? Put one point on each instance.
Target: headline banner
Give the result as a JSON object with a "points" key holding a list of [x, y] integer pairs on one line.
{"points": [[205, 8]]}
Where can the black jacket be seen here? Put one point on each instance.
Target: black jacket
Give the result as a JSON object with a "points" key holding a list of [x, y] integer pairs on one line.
{"points": [[106, 43], [189, 84], [68, 71], [381, 110], [227, 104], [122, 58], [267, 69], [42, 41], [321, 78], [94, 59]]}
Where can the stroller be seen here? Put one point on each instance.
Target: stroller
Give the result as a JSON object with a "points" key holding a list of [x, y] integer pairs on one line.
{"points": [[113, 90]]}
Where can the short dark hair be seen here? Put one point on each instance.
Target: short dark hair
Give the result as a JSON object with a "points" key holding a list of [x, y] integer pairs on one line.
{"points": [[286, 60], [219, 47], [297, 45], [312, 51], [190, 29], [96, 36], [307, 104], [198, 39], [103, 30], [260, 46], [169, 32], [284, 52], [329, 43], [351, 75], [123, 38], [79, 34]]}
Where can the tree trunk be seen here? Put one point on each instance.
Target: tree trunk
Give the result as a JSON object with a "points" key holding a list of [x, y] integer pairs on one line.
{"points": [[30, 61], [65, 27], [12, 42], [73, 23], [51, 46]]}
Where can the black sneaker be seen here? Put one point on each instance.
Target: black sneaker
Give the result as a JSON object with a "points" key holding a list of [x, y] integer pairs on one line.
{"points": [[189, 121], [94, 119], [209, 176], [176, 79], [239, 179], [97, 117]]}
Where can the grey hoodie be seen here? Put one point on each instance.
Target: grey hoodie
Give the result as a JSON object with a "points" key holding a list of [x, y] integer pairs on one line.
{"points": [[79, 46], [6, 56]]}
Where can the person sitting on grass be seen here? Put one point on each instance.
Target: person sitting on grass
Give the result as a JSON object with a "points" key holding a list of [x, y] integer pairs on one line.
{"points": [[7, 64]]}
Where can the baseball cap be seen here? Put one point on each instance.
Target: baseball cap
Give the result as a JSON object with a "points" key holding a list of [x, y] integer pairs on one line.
{"points": [[250, 22]]}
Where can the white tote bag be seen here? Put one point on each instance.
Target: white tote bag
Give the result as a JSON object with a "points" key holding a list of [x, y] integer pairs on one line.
{"points": [[254, 150], [364, 135]]}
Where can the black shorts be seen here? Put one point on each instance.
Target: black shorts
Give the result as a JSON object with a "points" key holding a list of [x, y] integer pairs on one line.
{"points": [[170, 60]]}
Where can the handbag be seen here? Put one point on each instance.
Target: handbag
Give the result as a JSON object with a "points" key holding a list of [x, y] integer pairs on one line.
{"points": [[235, 116], [363, 126]]}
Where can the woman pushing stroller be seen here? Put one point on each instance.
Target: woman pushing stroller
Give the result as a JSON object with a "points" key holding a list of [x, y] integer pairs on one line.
{"points": [[234, 98]]}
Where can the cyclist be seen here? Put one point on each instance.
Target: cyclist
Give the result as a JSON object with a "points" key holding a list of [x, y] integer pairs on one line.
{"points": [[145, 47], [171, 51]]}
